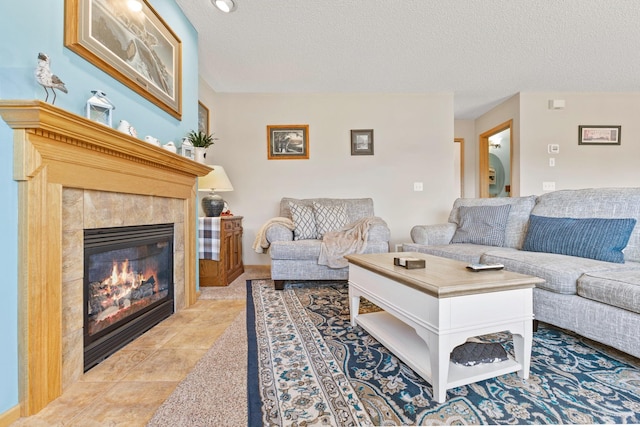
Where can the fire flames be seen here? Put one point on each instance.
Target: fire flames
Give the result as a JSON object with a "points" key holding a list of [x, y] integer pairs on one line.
{"points": [[125, 277], [122, 291]]}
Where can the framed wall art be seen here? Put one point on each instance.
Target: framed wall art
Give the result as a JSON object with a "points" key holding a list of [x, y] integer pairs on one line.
{"points": [[135, 47], [287, 142], [362, 142], [203, 118], [599, 135]]}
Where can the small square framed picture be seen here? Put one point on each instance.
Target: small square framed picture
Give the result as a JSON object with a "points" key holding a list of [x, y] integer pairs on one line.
{"points": [[599, 135], [362, 142]]}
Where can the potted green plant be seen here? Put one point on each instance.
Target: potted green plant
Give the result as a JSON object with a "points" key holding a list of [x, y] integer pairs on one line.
{"points": [[200, 141]]}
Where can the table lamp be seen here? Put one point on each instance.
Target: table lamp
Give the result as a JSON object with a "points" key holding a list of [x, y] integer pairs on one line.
{"points": [[216, 180]]}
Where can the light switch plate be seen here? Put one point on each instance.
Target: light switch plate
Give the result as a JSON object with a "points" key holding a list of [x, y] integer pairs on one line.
{"points": [[553, 148]]}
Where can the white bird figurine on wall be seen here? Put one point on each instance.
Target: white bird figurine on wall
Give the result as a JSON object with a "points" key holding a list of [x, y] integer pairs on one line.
{"points": [[46, 78]]}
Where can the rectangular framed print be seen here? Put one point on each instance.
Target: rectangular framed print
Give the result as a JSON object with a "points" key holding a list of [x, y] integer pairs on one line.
{"points": [[599, 135], [287, 142], [135, 47]]}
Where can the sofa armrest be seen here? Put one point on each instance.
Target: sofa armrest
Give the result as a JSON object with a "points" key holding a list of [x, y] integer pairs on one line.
{"points": [[379, 232], [278, 233], [436, 234]]}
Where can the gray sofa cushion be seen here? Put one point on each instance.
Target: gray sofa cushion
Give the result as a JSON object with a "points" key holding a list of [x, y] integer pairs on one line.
{"points": [[467, 252], [299, 249], [304, 220], [309, 250], [482, 225], [329, 218], [595, 203], [619, 288], [560, 272], [356, 208], [518, 215]]}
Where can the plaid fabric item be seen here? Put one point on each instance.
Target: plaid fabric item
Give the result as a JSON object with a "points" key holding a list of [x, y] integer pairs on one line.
{"points": [[209, 238]]}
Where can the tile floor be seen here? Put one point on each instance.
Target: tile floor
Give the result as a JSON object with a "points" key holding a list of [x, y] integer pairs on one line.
{"points": [[128, 387]]}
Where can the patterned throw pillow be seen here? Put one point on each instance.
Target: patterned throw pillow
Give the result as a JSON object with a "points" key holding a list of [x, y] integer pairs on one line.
{"points": [[482, 225], [329, 218], [304, 222]]}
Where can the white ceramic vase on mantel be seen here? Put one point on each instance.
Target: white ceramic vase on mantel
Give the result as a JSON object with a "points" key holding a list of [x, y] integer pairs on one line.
{"points": [[200, 154]]}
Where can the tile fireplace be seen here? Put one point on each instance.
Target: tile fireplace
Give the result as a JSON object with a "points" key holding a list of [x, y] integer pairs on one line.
{"points": [[127, 286], [75, 174]]}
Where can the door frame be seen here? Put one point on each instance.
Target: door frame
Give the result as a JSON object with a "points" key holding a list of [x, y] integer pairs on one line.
{"points": [[483, 157], [461, 142]]}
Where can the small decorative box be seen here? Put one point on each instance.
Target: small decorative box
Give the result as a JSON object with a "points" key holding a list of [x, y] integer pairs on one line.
{"points": [[408, 263]]}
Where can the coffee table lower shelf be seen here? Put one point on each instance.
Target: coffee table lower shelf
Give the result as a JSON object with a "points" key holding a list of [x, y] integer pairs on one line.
{"points": [[403, 341]]}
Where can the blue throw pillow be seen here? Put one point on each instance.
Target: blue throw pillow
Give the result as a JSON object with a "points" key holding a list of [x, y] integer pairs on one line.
{"points": [[482, 225], [596, 238]]}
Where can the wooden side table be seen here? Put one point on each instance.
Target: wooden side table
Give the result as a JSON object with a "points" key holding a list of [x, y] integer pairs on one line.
{"points": [[230, 266]]}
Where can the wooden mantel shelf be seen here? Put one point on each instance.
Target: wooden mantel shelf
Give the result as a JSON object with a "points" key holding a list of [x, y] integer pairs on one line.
{"points": [[55, 149], [32, 115]]}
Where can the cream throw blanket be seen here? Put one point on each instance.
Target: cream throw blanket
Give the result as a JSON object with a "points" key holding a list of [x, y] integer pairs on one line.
{"points": [[261, 243], [350, 239]]}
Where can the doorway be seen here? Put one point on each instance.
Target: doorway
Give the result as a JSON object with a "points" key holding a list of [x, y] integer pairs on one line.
{"points": [[458, 166], [495, 161]]}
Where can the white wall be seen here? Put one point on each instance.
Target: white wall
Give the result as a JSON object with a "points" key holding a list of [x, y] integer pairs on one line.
{"points": [[413, 142], [578, 166]]}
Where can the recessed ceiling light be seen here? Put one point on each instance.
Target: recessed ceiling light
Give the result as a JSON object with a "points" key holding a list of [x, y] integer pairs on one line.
{"points": [[226, 6], [135, 5]]}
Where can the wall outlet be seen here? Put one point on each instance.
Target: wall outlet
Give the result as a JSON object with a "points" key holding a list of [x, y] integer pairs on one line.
{"points": [[417, 186], [548, 186]]}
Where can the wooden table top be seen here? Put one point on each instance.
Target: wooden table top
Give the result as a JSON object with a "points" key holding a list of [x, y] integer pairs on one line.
{"points": [[442, 277]]}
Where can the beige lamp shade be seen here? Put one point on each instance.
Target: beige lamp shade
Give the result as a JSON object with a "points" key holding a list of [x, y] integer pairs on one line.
{"points": [[216, 180]]}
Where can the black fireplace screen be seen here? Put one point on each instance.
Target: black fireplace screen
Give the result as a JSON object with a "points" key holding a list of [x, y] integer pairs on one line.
{"points": [[128, 276]]}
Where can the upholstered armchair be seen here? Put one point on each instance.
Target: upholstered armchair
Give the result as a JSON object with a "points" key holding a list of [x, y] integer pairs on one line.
{"points": [[295, 239]]}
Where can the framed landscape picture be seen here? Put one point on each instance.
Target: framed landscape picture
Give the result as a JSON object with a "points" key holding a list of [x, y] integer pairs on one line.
{"points": [[362, 142], [135, 47], [599, 135], [287, 142], [203, 118]]}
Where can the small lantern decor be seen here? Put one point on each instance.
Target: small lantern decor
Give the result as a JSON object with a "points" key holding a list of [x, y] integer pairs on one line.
{"points": [[100, 109]]}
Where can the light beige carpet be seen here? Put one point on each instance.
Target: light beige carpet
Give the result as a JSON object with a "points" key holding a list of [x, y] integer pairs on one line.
{"points": [[214, 393]]}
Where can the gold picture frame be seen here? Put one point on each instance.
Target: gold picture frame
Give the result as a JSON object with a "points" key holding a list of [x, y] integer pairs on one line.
{"points": [[287, 142], [137, 48], [203, 118]]}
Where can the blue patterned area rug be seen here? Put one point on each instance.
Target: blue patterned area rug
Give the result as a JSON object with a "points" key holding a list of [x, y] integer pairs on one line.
{"points": [[309, 366]]}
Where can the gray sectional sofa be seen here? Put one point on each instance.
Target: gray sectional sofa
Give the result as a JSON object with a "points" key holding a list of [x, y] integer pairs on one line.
{"points": [[594, 291], [295, 258]]}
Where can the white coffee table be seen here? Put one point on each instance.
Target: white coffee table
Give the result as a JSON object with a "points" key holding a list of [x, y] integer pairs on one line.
{"points": [[430, 311]]}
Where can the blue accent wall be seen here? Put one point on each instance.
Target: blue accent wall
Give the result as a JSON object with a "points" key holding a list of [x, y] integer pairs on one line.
{"points": [[31, 26]]}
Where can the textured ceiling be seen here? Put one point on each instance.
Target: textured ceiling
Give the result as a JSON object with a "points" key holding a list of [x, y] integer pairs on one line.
{"points": [[482, 51]]}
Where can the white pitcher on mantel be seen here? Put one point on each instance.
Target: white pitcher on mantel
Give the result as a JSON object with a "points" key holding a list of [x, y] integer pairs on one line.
{"points": [[200, 154], [125, 127]]}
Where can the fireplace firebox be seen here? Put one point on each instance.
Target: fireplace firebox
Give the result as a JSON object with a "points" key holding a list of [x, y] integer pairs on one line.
{"points": [[128, 286]]}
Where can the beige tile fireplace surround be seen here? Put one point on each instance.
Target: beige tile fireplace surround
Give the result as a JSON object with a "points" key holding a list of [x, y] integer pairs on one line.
{"points": [[73, 174]]}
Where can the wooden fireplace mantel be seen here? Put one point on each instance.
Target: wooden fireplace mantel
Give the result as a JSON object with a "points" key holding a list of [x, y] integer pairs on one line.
{"points": [[53, 149]]}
